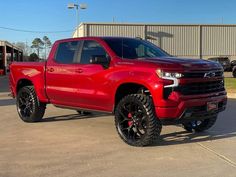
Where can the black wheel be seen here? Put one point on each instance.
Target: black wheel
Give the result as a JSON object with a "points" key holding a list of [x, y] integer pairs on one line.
{"points": [[84, 113], [135, 120], [200, 125], [29, 108], [234, 73]]}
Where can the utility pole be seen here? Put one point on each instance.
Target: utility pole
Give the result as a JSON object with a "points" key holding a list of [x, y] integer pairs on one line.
{"points": [[77, 7]]}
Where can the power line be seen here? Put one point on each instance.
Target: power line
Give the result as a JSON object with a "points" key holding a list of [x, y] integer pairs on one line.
{"points": [[30, 31]]}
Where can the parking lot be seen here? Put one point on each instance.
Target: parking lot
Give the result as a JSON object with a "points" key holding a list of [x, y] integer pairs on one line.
{"points": [[66, 144]]}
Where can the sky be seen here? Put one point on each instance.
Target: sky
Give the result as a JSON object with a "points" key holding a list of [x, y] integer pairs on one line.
{"points": [[53, 15]]}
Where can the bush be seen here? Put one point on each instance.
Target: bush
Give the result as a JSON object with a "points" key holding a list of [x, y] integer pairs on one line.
{"points": [[33, 57]]}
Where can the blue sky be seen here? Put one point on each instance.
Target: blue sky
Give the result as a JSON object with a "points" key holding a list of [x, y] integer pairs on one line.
{"points": [[53, 15]]}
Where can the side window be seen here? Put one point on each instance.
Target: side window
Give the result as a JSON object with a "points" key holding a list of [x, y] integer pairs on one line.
{"points": [[67, 52], [91, 48], [140, 50], [143, 51]]}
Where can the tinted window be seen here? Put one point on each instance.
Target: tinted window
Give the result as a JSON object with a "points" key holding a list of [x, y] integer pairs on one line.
{"points": [[91, 48], [224, 59], [134, 48], [67, 52]]}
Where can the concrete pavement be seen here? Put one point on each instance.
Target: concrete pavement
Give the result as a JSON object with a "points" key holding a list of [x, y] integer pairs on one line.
{"points": [[65, 144]]}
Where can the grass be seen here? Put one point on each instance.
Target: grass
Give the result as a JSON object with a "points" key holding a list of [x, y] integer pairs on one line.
{"points": [[230, 84]]}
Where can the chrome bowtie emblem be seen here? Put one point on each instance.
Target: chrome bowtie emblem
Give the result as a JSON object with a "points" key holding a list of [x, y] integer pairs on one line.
{"points": [[210, 74]]}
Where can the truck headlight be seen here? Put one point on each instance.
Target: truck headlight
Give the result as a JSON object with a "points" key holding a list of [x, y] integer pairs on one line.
{"points": [[171, 76], [163, 74]]}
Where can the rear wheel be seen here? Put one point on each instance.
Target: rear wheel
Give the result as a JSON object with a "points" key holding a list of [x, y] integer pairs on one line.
{"points": [[135, 120], [29, 108], [200, 125]]}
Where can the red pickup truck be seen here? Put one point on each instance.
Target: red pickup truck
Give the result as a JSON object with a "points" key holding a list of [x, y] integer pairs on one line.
{"points": [[140, 83]]}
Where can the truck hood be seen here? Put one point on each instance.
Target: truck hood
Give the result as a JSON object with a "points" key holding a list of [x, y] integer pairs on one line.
{"points": [[173, 63]]}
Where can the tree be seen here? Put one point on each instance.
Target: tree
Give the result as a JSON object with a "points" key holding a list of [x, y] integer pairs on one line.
{"points": [[37, 44], [23, 45], [33, 57], [47, 45]]}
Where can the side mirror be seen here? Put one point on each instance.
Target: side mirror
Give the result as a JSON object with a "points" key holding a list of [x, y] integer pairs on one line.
{"points": [[100, 59]]}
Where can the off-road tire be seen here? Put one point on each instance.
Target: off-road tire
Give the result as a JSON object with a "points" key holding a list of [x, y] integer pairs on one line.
{"points": [[152, 127], [204, 125], [34, 110], [234, 73]]}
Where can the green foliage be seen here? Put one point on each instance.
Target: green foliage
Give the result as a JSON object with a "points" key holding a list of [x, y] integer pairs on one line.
{"points": [[47, 41], [230, 84], [37, 44], [47, 45], [40, 44], [33, 57]]}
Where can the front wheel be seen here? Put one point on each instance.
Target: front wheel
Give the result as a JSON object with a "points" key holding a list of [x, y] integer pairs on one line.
{"points": [[135, 120], [29, 108], [199, 125]]}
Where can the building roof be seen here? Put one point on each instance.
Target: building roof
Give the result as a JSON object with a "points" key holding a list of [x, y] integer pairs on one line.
{"points": [[6, 43], [157, 24]]}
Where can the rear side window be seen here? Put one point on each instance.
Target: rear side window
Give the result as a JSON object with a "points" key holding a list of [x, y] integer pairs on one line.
{"points": [[67, 52], [91, 48]]}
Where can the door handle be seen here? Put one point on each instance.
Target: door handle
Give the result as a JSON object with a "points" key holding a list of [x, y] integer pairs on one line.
{"points": [[50, 69], [79, 70]]}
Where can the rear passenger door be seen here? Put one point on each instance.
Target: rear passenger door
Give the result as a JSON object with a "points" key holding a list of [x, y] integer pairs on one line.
{"points": [[60, 73]]}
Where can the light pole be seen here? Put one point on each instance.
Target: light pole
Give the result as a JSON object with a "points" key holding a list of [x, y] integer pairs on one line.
{"points": [[77, 7]]}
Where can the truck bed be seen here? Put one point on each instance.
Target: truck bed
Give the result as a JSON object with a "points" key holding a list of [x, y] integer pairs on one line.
{"points": [[34, 71]]}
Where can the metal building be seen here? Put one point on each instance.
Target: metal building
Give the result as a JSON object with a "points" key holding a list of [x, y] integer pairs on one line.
{"points": [[193, 41], [8, 53]]}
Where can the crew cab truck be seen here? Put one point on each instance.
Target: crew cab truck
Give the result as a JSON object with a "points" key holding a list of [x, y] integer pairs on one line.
{"points": [[142, 85]]}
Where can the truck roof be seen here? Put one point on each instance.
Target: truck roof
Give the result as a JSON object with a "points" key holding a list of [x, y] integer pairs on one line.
{"points": [[94, 37]]}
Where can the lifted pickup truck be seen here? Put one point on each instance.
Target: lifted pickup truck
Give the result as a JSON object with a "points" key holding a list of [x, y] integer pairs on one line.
{"points": [[134, 79]]}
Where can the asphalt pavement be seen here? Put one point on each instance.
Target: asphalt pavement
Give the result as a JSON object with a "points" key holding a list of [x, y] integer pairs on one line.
{"points": [[65, 144]]}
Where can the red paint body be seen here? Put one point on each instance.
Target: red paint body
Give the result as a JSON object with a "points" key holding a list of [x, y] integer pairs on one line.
{"points": [[90, 86]]}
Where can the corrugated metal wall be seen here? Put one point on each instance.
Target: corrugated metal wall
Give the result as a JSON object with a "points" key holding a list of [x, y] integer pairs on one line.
{"points": [[219, 40], [116, 30], [179, 40]]}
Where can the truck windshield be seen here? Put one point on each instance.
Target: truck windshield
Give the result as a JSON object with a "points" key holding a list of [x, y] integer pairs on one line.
{"points": [[134, 48]]}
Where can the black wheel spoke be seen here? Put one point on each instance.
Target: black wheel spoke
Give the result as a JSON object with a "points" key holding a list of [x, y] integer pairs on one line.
{"points": [[21, 102], [125, 118], [122, 114], [130, 107], [139, 132], [125, 108]]}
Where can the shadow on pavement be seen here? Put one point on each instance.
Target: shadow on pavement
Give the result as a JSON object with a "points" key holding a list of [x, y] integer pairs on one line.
{"points": [[4, 84], [184, 137], [74, 117], [225, 127], [7, 102]]}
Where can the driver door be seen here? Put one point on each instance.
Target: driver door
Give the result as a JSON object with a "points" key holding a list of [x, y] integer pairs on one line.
{"points": [[93, 89]]}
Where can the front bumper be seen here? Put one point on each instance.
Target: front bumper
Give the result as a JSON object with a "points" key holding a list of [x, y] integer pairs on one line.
{"points": [[192, 108]]}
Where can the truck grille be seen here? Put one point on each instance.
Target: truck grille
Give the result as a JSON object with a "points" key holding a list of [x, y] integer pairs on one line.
{"points": [[201, 74], [201, 88]]}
